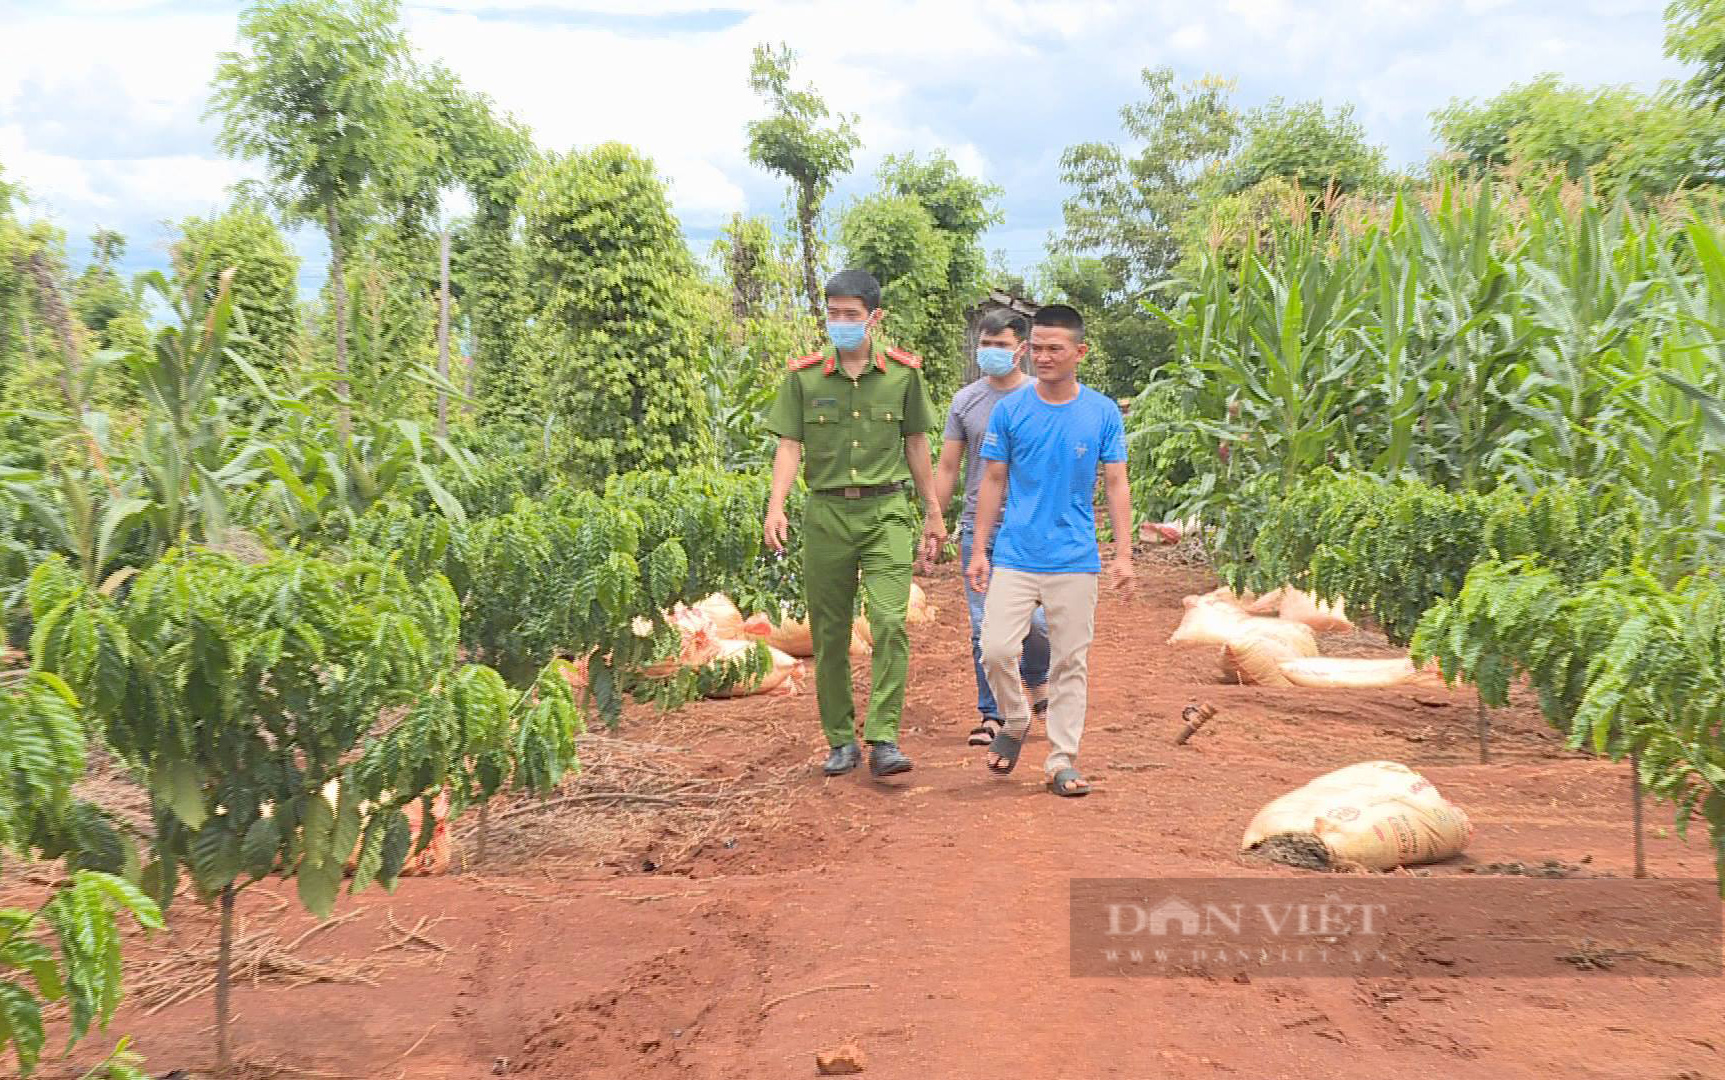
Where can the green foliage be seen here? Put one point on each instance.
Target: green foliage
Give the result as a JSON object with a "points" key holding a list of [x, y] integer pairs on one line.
{"points": [[488, 155], [318, 481], [1164, 457], [1126, 349], [391, 287], [618, 328], [921, 237], [740, 388], [239, 693], [592, 576], [67, 951], [794, 141], [1480, 340], [1626, 142], [105, 304], [894, 237], [322, 98], [108, 502], [1320, 150], [265, 289], [1695, 34], [1394, 548], [501, 463], [1621, 662], [1128, 201], [768, 313]]}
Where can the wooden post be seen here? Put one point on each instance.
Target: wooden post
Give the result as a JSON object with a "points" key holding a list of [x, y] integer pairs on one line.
{"points": [[338, 279], [1635, 813], [224, 970], [1484, 733], [443, 335]]}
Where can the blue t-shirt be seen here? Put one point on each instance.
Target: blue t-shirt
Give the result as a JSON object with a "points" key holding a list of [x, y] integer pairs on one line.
{"points": [[1052, 453]]}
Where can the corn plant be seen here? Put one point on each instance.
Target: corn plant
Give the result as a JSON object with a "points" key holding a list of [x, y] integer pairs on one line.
{"points": [[1469, 340], [111, 502]]}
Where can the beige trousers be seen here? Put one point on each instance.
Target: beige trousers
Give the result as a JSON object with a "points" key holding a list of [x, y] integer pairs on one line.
{"points": [[1070, 603]]}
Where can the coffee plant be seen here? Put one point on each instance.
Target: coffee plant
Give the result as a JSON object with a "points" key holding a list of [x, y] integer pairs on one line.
{"points": [[238, 693], [65, 951]]}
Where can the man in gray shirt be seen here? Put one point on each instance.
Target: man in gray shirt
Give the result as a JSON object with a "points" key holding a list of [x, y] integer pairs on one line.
{"points": [[1000, 347]]}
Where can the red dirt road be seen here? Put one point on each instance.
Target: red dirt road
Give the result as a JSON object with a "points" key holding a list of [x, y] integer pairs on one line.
{"points": [[929, 914]]}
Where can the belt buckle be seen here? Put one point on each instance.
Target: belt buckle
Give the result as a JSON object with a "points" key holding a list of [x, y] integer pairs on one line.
{"points": [[853, 493]]}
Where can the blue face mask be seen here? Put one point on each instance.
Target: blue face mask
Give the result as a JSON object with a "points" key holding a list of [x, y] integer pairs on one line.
{"points": [[994, 360], [846, 335]]}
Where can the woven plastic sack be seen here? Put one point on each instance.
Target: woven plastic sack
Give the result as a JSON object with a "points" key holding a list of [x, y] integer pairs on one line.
{"points": [[727, 620], [1377, 814], [1254, 658], [780, 680], [1297, 606], [1350, 672]]}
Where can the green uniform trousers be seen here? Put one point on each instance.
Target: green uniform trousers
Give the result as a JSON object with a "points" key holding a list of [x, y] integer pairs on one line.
{"points": [[872, 537]]}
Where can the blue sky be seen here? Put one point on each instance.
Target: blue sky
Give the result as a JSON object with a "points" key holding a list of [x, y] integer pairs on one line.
{"points": [[101, 101]]}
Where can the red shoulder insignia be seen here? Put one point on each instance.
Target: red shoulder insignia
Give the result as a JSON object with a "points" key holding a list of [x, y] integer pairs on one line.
{"points": [[808, 361], [908, 359]]}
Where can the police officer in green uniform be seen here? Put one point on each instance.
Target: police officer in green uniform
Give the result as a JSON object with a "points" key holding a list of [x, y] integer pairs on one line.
{"points": [[862, 414]]}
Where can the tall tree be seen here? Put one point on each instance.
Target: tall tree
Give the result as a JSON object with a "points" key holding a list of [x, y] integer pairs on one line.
{"points": [[324, 97], [1128, 201], [110, 308], [1695, 34], [1321, 150], [618, 326], [487, 153], [1627, 142], [922, 237], [265, 288], [1128, 212], [795, 142]]}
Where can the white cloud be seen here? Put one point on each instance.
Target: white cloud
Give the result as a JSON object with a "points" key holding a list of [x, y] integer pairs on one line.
{"points": [[1190, 38], [100, 100]]}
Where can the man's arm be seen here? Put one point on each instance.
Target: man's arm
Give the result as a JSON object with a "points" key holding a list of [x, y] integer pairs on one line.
{"points": [[786, 460], [922, 472], [946, 472], [1119, 491], [988, 500]]}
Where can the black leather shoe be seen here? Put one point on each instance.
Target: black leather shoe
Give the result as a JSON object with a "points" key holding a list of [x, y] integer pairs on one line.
{"points": [[843, 759], [885, 759]]}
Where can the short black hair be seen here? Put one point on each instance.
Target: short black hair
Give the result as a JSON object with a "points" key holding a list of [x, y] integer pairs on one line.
{"points": [[1061, 317], [1005, 319], [858, 283]]}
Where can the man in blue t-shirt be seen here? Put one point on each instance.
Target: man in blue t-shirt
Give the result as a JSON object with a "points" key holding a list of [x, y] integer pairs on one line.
{"points": [[1044, 446]]}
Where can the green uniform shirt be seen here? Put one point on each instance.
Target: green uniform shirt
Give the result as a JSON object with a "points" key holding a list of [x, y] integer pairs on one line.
{"points": [[853, 430]]}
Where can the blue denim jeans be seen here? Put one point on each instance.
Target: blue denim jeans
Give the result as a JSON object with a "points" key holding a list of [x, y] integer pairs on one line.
{"points": [[1032, 663]]}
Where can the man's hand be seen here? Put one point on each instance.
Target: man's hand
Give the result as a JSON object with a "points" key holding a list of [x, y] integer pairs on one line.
{"points": [[933, 537], [777, 529], [978, 572], [1122, 576]]}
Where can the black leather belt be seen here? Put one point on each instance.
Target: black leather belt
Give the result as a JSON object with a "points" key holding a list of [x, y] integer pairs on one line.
{"points": [[864, 492]]}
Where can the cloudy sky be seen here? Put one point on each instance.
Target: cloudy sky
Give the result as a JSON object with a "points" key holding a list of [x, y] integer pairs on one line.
{"points": [[101, 101]]}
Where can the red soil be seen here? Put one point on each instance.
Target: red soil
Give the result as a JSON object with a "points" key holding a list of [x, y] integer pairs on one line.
{"points": [[940, 900]]}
